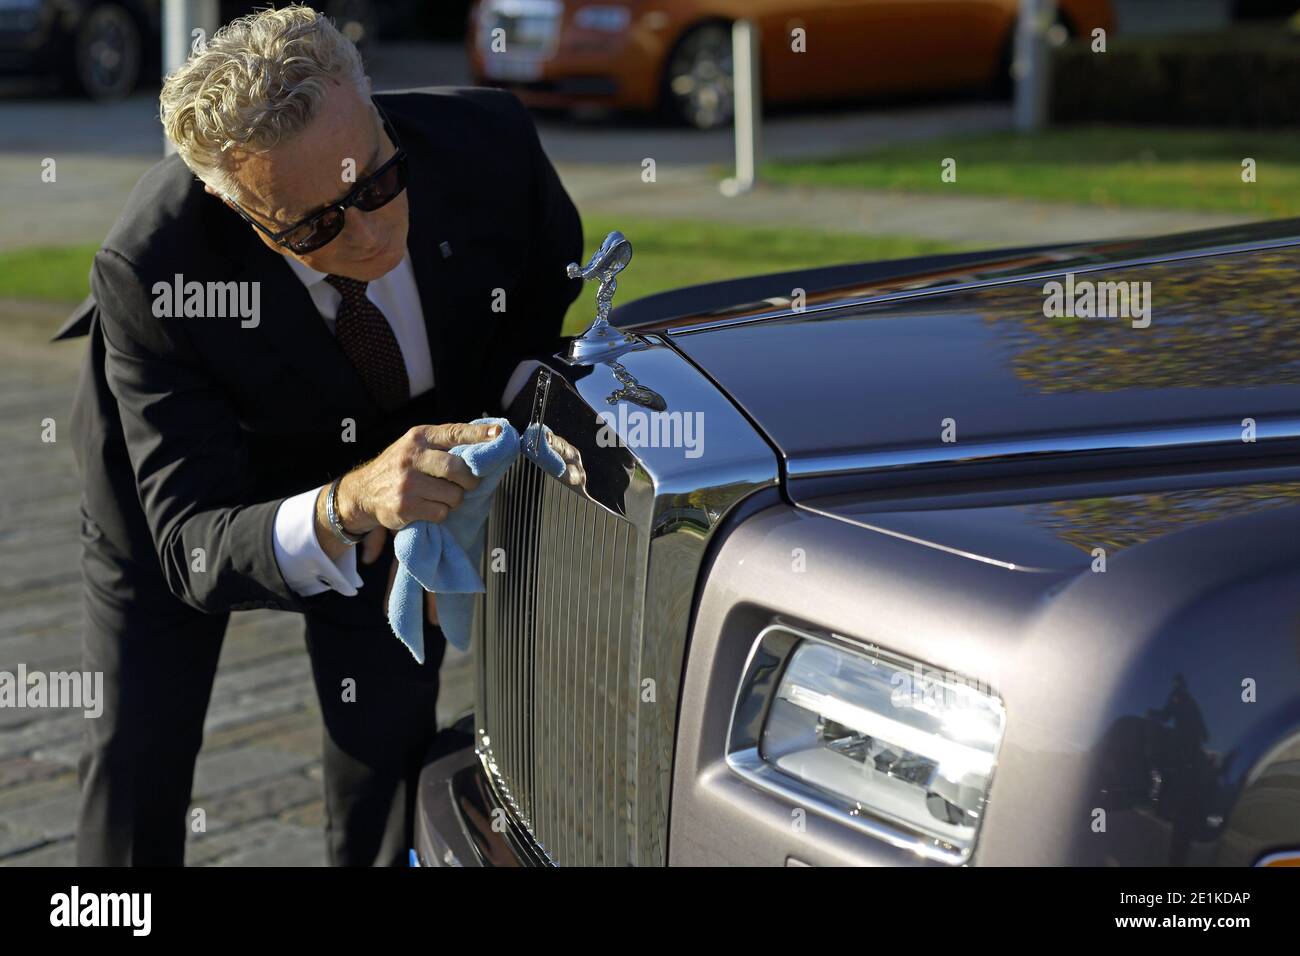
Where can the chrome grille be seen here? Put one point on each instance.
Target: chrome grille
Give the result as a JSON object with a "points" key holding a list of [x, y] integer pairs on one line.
{"points": [[559, 667]]}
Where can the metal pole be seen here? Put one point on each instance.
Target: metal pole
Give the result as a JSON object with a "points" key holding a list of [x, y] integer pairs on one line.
{"points": [[180, 19], [748, 99], [1030, 68]]}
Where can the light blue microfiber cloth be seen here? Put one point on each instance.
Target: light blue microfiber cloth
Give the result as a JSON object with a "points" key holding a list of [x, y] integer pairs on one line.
{"points": [[444, 557]]}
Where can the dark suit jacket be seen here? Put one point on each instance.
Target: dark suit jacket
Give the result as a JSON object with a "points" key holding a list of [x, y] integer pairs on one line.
{"points": [[189, 432]]}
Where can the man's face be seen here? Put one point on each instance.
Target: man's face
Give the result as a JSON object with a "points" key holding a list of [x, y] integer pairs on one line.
{"points": [[281, 186]]}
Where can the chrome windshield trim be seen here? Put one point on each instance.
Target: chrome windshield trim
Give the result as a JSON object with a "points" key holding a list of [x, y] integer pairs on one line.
{"points": [[1019, 449], [975, 284]]}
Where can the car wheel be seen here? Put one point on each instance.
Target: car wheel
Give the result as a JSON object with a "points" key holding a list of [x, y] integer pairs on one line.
{"points": [[107, 53], [698, 78]]}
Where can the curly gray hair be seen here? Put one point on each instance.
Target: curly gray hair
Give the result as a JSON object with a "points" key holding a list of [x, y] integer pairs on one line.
{"points": [[258, 82]]}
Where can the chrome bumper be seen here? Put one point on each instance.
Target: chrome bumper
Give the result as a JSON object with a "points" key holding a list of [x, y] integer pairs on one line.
{"points": [[455, 814]]}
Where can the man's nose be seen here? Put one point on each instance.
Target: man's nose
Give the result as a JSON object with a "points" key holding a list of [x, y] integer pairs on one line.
{"points": [[360, 228]]}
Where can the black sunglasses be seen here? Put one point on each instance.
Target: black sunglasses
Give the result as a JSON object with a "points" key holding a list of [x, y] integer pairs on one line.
{"points": [[323, 226]]}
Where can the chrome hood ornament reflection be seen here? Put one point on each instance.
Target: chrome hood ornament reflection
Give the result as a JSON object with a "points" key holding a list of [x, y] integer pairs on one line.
{"points": [[609, 260], [633, 391]]}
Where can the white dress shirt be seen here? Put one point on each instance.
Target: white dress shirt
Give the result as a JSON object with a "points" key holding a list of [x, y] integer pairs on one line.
{"points": [[303, 562]]}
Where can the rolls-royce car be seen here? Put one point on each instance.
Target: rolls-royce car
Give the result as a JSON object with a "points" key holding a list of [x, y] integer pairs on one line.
{"points": [[979, 559], [674, 56]]}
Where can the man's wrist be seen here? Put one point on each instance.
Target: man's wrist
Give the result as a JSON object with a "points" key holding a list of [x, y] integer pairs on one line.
{"points": [[325, 536], [330, 543], [353, 519], [332, 516]]}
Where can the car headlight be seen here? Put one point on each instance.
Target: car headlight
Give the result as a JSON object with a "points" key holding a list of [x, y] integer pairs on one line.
{"points": [[605, 18], [872, 739]]}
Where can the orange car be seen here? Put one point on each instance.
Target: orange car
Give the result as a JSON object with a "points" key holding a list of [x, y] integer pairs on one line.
{"points": [[675, 55]]}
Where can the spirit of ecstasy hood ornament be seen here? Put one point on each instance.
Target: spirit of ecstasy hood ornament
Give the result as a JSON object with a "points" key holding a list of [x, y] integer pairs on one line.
{"points": [[609, 260]]}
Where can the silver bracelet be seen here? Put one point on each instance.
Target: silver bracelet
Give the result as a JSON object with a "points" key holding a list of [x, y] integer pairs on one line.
{"points": [[332, 516]]}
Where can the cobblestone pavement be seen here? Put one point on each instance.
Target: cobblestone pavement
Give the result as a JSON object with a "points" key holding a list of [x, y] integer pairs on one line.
{"points": [[259, 773]]}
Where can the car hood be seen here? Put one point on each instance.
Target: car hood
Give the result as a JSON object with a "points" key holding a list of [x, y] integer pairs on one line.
{"points": [[929, 369]]}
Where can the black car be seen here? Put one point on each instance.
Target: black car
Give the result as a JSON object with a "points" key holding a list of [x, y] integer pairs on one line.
{"points": [[106, 49], [98, 49], [956, 569]]}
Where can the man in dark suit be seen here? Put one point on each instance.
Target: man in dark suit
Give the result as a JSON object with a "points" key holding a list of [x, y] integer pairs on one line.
{"points": [[279, 321]]}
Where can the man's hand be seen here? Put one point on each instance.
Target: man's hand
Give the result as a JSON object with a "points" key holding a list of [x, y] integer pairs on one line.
{"points": [[371, 548], [414, 479]]}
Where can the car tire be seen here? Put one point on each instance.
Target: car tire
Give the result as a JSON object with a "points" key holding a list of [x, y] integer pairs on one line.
{"points": [[107, 53], [697, 83]]}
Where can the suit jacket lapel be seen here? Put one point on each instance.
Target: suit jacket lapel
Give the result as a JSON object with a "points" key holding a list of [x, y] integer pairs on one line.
{"points": [[437, 230], [425, 238]]}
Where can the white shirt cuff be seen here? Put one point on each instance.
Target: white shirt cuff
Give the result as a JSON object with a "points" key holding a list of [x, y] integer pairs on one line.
{"points": [[307, 569]]}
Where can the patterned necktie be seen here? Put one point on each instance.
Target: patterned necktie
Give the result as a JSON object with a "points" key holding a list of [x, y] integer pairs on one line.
{"points": [[368, 341]]}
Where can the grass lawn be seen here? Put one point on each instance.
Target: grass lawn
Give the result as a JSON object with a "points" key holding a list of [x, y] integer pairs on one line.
{"points": [[47, 274], [667, 255], [1095, 165]]}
